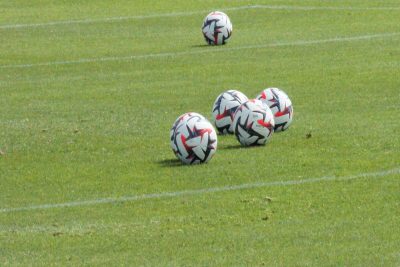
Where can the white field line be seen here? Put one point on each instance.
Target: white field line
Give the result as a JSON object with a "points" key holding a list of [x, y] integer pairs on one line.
{"points": [[75, 228], [199, 191], [181, 14], [204, 51]]}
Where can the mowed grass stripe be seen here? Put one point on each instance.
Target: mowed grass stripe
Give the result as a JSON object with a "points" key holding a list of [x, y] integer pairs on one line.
{"points": [[332, 8], [115, 19], [179, 14], [201, 191], [205, 50]]}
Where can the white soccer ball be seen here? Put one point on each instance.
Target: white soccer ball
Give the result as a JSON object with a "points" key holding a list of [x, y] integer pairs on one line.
{"points": [[180, 119], [224, 108], [253, 123], [280, 105], [193, 139], [217, 28]]}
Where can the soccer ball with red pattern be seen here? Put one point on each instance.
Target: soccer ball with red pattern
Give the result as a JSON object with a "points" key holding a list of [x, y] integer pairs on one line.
{"points": [[253, 123], [180, 119], [280, 105], [193, 139], [224, 108], [217, 28]]}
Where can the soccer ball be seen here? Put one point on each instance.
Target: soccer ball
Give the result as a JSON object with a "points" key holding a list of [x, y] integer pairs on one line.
{"points": [[193, 139], [224, 108], [253, 123], [180, 119], [217, 28], [280, 105]]}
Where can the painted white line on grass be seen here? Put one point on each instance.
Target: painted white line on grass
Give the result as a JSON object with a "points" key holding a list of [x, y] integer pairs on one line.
{"points": [[180, 14], [204, 51], [199, 191], [75, 228]]}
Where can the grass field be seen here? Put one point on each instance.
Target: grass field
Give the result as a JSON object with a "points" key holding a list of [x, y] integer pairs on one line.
{"points": [[90, 89]]}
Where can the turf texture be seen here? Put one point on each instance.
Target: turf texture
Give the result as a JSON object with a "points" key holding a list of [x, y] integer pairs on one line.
{"points": [[89, 91]]}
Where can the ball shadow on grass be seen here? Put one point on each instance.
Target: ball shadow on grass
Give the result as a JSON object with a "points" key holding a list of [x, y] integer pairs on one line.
{"points": [[223, 146], [200, 46], [231, 147], [238, 146], [168, 163], [172, 163]]}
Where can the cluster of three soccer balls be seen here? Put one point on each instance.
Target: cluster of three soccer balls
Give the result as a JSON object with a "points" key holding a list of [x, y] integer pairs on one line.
{"points": [[194, 139]]}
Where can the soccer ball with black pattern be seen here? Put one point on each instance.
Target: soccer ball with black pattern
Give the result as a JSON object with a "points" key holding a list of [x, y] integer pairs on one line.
{"points": [[253, 123], [180, 119], [281, 106], [217, 28], [224, 108], [194, 140]]}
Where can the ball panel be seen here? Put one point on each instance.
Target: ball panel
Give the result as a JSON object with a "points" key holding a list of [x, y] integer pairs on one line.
{"points": [[181, 118]]}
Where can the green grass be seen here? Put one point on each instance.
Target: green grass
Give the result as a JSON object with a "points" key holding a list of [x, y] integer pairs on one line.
{"points": [[84, 131]]}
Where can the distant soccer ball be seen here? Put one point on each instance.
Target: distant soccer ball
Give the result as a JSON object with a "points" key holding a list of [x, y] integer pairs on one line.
{"points": [[280, 105], [253, 123], [224, 108], [217, 28], [193, 139]]}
